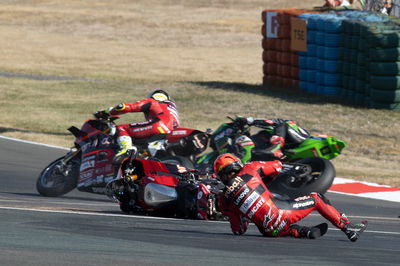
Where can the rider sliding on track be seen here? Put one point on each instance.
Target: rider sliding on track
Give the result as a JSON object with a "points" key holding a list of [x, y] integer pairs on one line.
{"points": [[246, 198], [161, 115]]}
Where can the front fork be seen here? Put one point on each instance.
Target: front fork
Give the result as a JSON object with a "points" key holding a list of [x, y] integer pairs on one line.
{"points": [[63, 167]]}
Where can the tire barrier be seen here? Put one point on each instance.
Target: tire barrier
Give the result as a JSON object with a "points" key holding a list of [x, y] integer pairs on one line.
{"points": [[351, 55]]}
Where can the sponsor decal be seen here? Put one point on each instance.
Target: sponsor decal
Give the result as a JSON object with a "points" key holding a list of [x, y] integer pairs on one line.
{"points": [[197, 142], [268, 218], [199, 195], [303, 204], [224, 133], [106, 141], [244, 141], [87, 158], [86, 183], [280, 227], [87, 174], [242, 195], [142, 129], [236, 184], [179, 132], [150, 178], [86, 165], [205, 189], [256, 207], [249, 202], [108, 179], [99, 179], [302, 198]]}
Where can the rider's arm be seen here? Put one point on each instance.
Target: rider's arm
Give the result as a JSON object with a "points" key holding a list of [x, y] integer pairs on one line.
{"points": [[268, 170], [139, 106], [238, 223]]}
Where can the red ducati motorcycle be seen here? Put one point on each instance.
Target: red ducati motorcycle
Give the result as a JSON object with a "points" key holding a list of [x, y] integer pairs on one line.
{"points": [[161, 189], [88, 166]]}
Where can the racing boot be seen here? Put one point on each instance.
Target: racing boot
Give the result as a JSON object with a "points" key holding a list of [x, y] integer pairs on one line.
{"points": [[353, 231], [126, 149], [308, 232]]}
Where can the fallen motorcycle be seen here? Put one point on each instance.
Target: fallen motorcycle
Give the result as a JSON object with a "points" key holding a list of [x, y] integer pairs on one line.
{"points": [[161, 189], [315, 152], [169, 190], [88, 166]]}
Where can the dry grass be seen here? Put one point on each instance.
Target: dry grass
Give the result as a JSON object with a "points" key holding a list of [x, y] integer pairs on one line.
{"points": [[207, 54]]}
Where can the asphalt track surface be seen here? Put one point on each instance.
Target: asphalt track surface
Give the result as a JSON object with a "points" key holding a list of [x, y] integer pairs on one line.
{"points": [[86, 229]]}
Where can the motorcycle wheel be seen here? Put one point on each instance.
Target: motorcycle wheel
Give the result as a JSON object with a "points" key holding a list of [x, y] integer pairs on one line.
{"points": [[52, 183], [323, 173], [183, 161]]}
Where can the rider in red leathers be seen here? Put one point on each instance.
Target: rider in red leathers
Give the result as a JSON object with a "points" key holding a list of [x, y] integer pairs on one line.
{"points": [[246, 198], [161, 115]]}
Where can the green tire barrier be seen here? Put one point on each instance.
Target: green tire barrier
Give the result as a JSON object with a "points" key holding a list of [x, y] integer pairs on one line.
{"points": [[390, 106], [385, 68], [385, 96], [384, 39], [385, 82], [384, 54]]}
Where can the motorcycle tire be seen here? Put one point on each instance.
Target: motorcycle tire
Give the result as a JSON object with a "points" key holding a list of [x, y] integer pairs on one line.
{"points": [[323, 173], [53, 184], [183, 161]]}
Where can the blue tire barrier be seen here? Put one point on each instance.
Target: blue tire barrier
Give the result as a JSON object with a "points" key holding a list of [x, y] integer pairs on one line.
{"points": [[333, 25], [332, 53], [303, 85], [311, 62], [330, 90], [311, 76], [303, 61], [312, 87], [331, 66], [332, 39], [331, 79], [320, 38], [320, 64], [303, 75], [320, 51], [320, 78], [311, 36], [312, 50]]}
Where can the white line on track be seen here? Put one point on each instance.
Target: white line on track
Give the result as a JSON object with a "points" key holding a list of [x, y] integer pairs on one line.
{"points": [[31, 142], [143, 217]]}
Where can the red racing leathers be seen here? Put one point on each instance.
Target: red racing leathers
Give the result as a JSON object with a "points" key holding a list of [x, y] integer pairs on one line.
{"points": [[161, 118], [246, 198]]}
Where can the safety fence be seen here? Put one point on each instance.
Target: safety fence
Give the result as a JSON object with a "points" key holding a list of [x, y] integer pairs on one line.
{"points": [[351, 55]]}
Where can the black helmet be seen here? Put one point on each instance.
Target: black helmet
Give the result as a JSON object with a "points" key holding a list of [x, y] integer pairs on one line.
{"points": [[159, 95]]}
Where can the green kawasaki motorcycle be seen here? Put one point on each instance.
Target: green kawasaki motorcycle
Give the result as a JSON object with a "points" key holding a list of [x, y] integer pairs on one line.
{"points": [[312, 155]]}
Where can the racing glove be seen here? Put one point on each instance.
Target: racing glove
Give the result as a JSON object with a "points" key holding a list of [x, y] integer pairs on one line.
{"points": [[241, 122], [102, 114]]}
